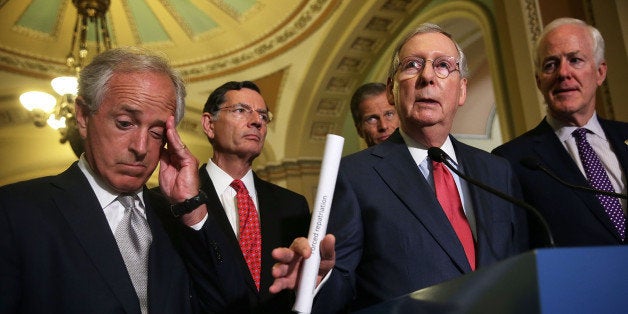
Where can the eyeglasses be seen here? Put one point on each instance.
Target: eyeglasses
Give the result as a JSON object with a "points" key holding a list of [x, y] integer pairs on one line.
{"points": [[243, 111], [413, 66], [374, 119]]}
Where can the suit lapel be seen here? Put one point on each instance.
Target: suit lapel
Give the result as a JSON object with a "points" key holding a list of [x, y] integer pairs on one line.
{"points": [[78, 204], [617, 135], [270, 222], [418, 196], [547, 144], [217, 213], [483, 206], [161, 261]]}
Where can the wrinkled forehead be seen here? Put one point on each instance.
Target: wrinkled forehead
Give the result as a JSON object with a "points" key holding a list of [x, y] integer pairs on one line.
{"points": [[247, 97], [428, 44], [565, 39]]}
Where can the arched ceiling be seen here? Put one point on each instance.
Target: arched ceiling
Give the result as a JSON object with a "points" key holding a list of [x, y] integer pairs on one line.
{"points": [[202, 38], [307, 56]]}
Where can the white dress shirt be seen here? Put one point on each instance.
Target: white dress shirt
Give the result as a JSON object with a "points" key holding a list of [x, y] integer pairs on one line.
{"points": [[600, 145], [108, 198], [221, 181]]}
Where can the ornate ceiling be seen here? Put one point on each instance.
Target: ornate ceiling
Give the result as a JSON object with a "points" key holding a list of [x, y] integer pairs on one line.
{"points": [[202, 38], [307, 56]]}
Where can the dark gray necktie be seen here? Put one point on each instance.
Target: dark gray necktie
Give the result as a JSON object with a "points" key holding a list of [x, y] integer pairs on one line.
{"points": [[134, 237]]}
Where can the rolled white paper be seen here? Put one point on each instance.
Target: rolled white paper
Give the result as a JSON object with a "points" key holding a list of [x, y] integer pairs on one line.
{"points": [[318, 224]]}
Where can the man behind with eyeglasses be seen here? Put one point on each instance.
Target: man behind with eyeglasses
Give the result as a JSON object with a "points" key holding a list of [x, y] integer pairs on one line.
{"points": [[374, 117], [393, 236], [228, 255]]}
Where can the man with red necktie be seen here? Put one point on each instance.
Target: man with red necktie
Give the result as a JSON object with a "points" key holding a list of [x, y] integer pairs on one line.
{"points": [[228, 254]]}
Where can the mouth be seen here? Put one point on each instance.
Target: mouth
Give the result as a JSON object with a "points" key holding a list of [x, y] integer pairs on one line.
{"points": [[254, 137], [427, 101], [134, 167], [564, 90]]}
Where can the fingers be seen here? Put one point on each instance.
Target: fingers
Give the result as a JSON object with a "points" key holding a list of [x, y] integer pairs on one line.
{"points": [[172, 137], [327, 248], [301, 246]]}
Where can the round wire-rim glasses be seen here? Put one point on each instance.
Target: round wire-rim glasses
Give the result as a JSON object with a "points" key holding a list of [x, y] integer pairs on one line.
{"points": [[413, 66]]}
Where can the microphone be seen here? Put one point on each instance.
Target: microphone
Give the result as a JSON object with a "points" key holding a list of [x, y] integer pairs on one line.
{"points": [[438, 155], [533, 164]]}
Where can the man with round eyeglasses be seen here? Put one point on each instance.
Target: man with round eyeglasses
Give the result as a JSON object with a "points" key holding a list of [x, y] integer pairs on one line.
{"points": [[394, 233], [375, 119], [228, 254]]}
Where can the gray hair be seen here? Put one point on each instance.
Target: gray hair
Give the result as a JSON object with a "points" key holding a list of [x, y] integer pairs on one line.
{"points": [[94, 77], [424, 29], [596, 38]]}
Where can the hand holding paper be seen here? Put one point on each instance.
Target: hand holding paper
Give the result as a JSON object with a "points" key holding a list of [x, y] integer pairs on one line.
{"points": [[290, 260]]}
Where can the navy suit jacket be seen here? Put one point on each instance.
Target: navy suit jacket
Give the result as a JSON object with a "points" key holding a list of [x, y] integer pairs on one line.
{"points": [[219, 273], [392, 236], [60, 256], [576, 218]]}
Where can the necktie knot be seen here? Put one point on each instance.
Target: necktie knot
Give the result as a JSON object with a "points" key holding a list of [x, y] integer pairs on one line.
{"points": [[239, 186], [127, 200], [580, 134]]}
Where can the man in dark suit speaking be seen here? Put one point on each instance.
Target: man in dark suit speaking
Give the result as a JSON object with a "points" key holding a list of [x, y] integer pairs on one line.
{"points": [[403, 222], [573, 143], [88, 240]]}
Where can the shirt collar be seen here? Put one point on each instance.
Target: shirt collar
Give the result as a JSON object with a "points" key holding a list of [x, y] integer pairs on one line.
{"points": [[563, 130], [419, 152], [222, 180]]}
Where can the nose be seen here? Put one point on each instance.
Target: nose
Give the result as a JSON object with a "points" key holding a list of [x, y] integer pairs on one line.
{"points": [[255, 119], [139, 143], [427, 74], [384, 124], [564, 69]]}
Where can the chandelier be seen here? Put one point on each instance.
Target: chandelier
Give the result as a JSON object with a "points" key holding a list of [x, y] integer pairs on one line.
{"points": [[58, 112]]}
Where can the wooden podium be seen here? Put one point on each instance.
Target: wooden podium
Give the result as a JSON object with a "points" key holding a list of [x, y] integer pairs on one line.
{"points": [[558, 280]]}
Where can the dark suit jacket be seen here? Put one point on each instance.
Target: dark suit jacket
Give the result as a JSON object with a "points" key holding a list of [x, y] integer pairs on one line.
{"points": [[219, 272], [60, 256], [392, 236], [576, 218]]}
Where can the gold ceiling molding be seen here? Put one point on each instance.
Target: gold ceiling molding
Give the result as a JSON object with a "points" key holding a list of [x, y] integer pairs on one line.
{"points": [[305, 22], [198, 56], [363, 45]]}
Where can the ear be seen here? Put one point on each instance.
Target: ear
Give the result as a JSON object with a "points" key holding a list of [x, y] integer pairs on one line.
{"points": [[601, 73], [208, 125], [359, 129], [463, 92], [389, 91], [82, 116]]}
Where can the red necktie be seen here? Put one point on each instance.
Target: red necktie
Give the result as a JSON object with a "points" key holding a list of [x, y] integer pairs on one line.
{"points": [[250, 234], [449, 199]]}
